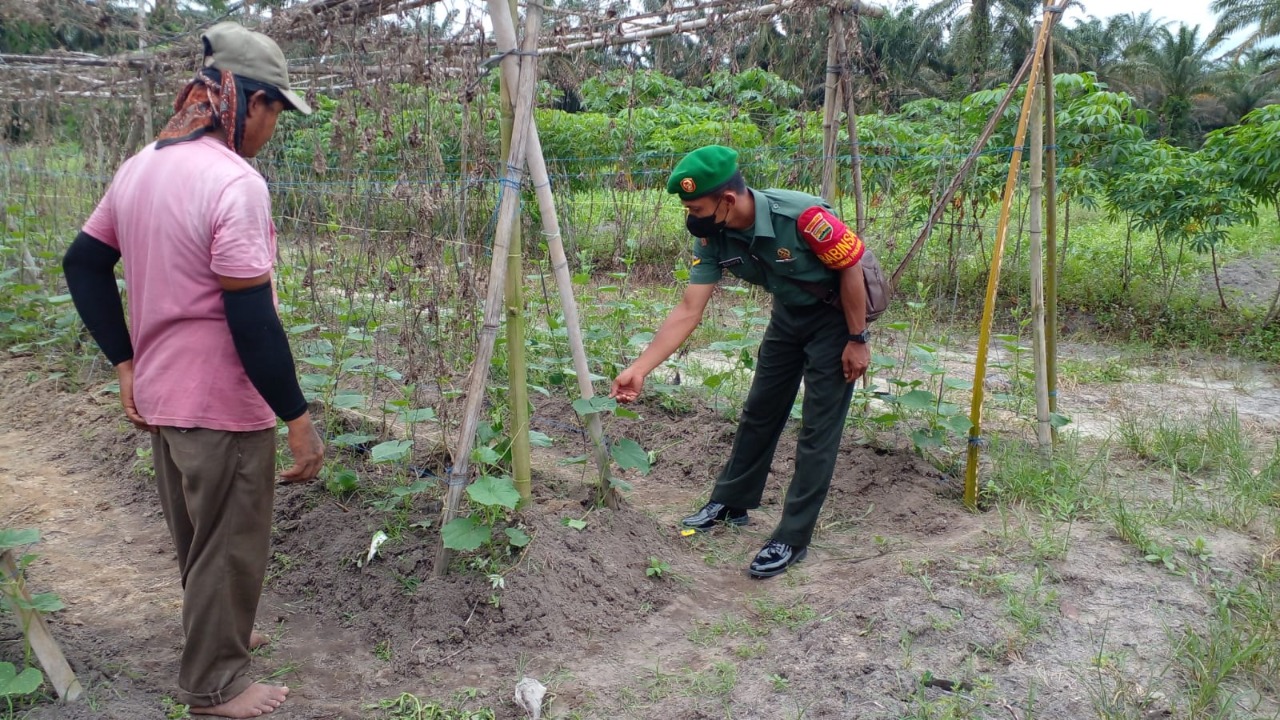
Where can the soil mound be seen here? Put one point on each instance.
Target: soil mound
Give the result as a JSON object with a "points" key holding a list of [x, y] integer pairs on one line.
{"points": [[570, 584]]}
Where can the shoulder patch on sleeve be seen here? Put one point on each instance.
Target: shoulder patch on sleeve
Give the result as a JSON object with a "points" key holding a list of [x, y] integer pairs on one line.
{"points": [[831, 240]]}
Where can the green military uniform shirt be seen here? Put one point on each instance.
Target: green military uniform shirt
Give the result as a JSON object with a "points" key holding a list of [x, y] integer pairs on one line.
{"points": [[768, 252]]}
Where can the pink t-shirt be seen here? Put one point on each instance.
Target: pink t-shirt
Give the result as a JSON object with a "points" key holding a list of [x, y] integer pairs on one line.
{"points": [[181, 217]]}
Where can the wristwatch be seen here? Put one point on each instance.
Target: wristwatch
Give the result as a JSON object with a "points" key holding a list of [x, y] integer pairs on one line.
{"points": [[860, 338]]}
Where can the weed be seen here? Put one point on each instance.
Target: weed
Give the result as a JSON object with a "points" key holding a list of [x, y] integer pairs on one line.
{"points": [[408, 583], [1094, 372], [410, 707], [382, 651], [280, 564], [142, 464], [658, 568], [780, 682], [706, 634], [775, 613], [1058, 490], [174, 710], [1027, 607]]}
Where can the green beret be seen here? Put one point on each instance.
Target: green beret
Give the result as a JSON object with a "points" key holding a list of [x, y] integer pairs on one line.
{"points": [[703, 171]]}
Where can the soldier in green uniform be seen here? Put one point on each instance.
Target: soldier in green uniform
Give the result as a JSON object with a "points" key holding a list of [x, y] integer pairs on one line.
{"points": [[783, 241]]}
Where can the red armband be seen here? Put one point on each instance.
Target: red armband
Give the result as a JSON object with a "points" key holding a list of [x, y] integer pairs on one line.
{"points": [[832, 241]]}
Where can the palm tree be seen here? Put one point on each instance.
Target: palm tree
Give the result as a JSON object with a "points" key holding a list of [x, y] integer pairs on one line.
{"points": [[1246, 84], [1176, 71], [902, 58], [1112, 50], [1262, 17], [972, 33]]}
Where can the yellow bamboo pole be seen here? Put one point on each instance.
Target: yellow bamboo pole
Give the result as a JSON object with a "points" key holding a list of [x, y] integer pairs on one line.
{"points": [[993, 278]]}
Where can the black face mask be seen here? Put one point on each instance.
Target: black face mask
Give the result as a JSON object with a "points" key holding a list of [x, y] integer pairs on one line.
{"points": [[704, 226]]}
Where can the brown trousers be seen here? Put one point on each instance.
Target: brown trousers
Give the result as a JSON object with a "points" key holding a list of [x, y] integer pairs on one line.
{"points": [[217, 490]]}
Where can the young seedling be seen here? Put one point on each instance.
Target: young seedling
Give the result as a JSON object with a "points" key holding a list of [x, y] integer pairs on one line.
{"points": [[658, 568]]}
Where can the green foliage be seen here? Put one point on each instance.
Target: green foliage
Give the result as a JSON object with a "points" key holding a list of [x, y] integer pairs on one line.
{"points": [[411, 707], [658, 568], [492, 498], [14, 684]]}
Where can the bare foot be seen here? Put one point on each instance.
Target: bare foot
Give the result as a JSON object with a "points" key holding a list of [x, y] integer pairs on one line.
{"points": [[256, 700], [257, 640]]}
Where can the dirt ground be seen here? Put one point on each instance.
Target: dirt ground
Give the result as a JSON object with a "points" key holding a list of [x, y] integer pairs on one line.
{"points": [[900, 586]]}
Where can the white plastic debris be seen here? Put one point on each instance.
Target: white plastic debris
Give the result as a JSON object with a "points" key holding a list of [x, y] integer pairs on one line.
{"points": [[529, 693], [378, 538]]}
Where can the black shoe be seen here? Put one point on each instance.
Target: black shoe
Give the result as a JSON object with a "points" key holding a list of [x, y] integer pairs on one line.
{"points": [[714, 512], [774, 559]]}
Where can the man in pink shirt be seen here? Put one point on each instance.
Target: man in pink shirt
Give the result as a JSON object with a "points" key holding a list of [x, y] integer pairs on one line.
{"points": [[203, 362]]}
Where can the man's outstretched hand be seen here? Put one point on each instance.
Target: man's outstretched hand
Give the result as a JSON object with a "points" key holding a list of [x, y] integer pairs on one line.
{"points": [[628, 385]]}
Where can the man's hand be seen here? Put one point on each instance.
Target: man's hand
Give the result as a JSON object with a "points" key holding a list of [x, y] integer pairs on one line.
{"points": [[856, 359], [307, 449], [628, 385], [124, 373]]}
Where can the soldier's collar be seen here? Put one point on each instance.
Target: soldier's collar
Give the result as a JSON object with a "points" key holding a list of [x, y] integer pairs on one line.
{"points": [[764, 219]]}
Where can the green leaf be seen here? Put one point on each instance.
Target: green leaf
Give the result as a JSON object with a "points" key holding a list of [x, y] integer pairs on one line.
{"points": [[352, 439], [918, 400], [928, 438], [489, 490], [42, 602], [629, 455], [465, 534], [574, 523], [517, 537], [299, 329], [486, 455], [595, 404], [626, 413], [343, 481], [418, 415], [355, 363], [348, 400], [318, 361], [958, 424], [538, 439], [958, 383], [575, 460], [1057, 420], [391, 451], [18, 538], [15, 684]]}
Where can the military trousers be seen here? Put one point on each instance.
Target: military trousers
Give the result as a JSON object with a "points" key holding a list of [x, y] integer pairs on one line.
{"points": [[217, 489], [799, 343]]}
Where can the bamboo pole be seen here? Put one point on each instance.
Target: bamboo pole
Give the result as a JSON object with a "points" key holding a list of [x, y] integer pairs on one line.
{"points": [[36, 630], [851, 113], [1051, 228], [504, 33], [518, 377], [945, 199], [830, 111], [1044, 431], [993, 278], [508, 212]]}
